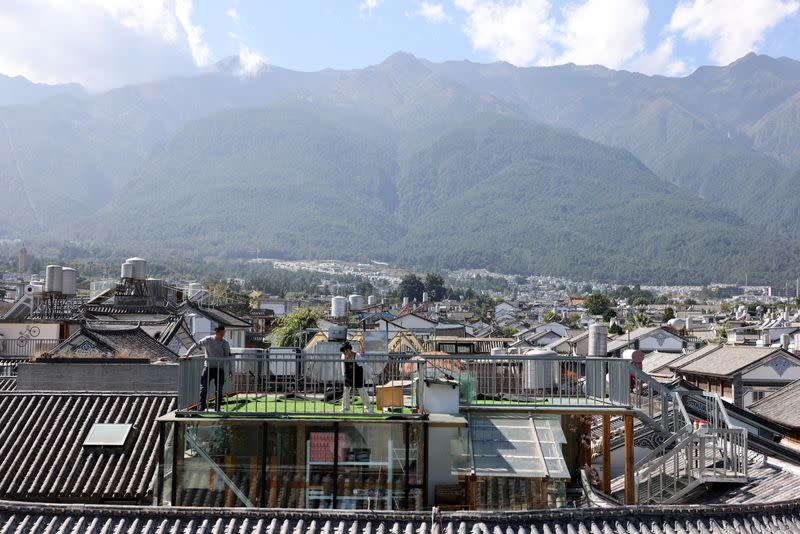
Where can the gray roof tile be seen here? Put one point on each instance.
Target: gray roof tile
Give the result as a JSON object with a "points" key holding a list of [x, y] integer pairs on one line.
{"points": [[41, 446], [750, 519]]}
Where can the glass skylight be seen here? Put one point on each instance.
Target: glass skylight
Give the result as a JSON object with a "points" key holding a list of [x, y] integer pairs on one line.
{"points": [[107, 435]]}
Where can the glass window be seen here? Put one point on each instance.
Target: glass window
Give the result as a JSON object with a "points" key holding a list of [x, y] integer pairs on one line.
{"points": [[299, 470], [219, 464], [107, 435]]}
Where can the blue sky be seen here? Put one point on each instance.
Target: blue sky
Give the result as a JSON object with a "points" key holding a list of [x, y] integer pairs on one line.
{"points": [[106, 43]]}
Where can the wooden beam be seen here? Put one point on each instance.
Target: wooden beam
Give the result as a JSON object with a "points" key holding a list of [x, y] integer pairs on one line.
{"points": [[607, 454], [630, 493]]}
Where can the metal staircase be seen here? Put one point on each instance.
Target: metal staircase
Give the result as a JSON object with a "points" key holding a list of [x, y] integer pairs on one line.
{"points": [[691, 456]]}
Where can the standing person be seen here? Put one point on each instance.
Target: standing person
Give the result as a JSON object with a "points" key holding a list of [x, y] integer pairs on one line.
{"points": [[353, 366], [216, 365]]}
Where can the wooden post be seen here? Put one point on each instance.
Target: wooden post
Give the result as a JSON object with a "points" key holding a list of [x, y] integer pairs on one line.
{"points": [[630, 493], [607, 454]]}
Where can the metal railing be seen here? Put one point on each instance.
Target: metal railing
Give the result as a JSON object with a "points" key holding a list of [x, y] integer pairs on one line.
{"points": [[258, 382], [255, 382], [714, 451], [26, 347]]}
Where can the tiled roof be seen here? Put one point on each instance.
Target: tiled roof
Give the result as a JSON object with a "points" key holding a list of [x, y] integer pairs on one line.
{"points": [[783, 406], [768, 482], [219, 316], [655, 361], [115, 340], [729, 359], [750, 519], [41, 446]]}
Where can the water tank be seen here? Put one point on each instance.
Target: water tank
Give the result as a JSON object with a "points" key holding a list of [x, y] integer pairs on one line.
{"points": [[677, 324], [126, 271], [785, 340], [53, 282], [337, 333], [766, 339], [69, 279], [372, 300], [36, 289], [139, 268], [425, 297], [356, 303], [405, 301], [635, 356], [541, 374], [338, 307], [598, 340]]}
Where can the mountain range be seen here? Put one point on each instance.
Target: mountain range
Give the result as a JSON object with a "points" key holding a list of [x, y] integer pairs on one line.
{"points": [[576, 171]]}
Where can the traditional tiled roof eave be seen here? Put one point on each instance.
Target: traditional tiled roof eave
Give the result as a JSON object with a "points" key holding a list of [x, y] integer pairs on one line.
{"points": [[720, 519]]}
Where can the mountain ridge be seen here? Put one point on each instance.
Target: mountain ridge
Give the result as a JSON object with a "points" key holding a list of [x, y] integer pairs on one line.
{"points": [[81, 159]]}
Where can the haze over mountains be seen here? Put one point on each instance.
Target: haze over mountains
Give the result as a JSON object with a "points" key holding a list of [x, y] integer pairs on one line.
{"points": [[575, 171]]}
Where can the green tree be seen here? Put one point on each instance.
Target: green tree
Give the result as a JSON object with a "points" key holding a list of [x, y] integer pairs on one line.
{"points": [[509, 331], [690, 302], [294, 328], [551, 316], [411, 286], [615, 329], [638, 320], [668, 314], [640, 301], [434, 285], [598, 303], [364, 288], [609, 314]]}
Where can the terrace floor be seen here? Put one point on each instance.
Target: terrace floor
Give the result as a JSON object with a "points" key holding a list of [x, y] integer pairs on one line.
{"points": [[315, 405]]}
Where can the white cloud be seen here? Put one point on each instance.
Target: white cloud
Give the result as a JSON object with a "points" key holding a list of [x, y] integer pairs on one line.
{"points": [[520, 32], [432, 12], [369, 5], [99, 43], [661, 60], [731, 29], [232, 13], [603, 32], [250, 62], [194, 34]]}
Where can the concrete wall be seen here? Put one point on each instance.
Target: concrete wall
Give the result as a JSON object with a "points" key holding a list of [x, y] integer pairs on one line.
{"points": [[97, 377]]}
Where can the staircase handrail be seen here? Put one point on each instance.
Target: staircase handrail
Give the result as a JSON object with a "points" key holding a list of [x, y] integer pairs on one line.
{"points": [[659, 451]]}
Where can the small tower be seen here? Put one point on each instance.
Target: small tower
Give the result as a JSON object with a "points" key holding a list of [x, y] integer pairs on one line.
{"points": [[23, 259]]}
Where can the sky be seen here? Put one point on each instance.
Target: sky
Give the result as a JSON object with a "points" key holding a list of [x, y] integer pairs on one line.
{"points": [[103, 44]]}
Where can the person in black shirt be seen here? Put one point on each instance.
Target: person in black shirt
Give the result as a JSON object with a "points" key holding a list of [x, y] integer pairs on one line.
{"points": [[353, 367]]}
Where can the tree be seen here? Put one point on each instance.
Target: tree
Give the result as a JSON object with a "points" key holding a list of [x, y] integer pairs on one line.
{"points": [[668, 314], [598, 303], [364, 288], [690, 302], [615, 329], [294, 328], [412, 287], [609, 314], [638, 320], [509, 331], [434, 285]]}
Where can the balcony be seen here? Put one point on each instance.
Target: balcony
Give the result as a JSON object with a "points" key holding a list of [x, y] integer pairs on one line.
{"points": [[25, 347], [257, 383]]}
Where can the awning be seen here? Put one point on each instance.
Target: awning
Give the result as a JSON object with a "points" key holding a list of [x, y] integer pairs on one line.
{"points": [[510, 446]]}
